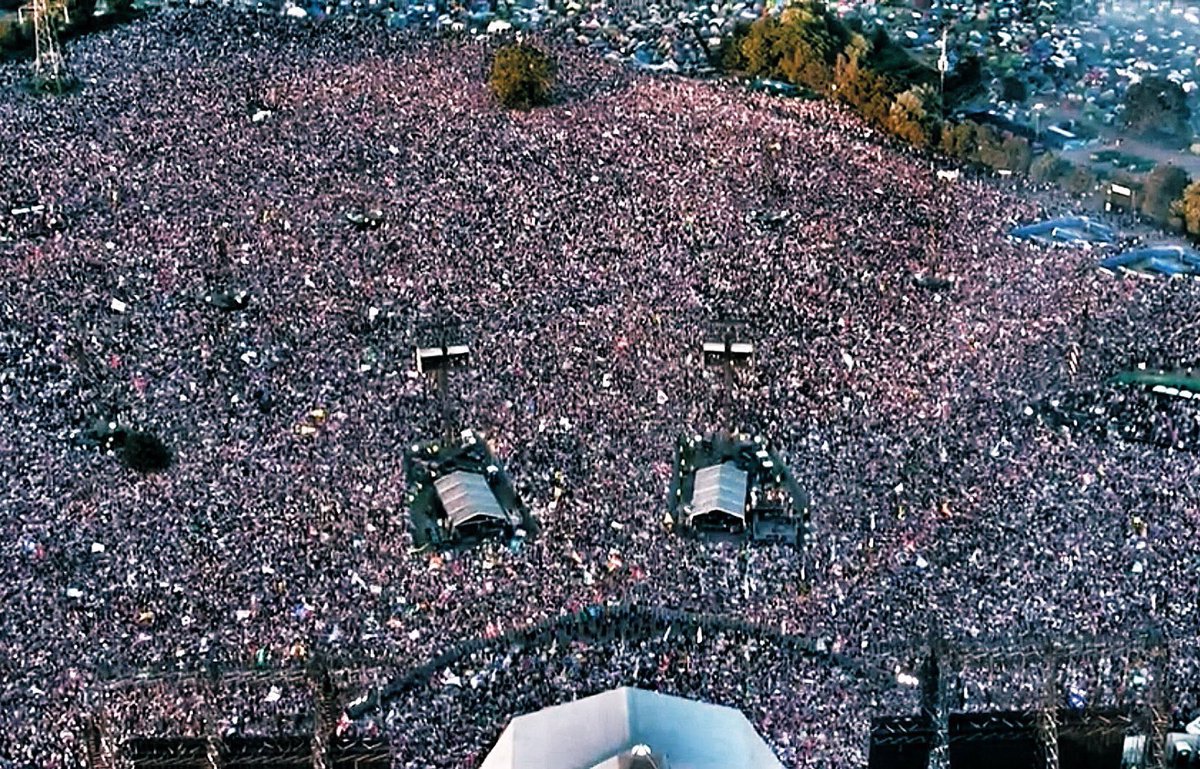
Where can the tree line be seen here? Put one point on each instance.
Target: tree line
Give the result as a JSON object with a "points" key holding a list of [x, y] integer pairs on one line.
{"points": [[809, 47]]}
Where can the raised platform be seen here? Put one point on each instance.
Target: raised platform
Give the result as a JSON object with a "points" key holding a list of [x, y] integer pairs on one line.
{"points": [[1001, 740], [459, 495], [734, 486]]}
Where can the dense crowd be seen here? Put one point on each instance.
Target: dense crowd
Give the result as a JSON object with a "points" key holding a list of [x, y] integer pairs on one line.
{"points": [[583, 247]]}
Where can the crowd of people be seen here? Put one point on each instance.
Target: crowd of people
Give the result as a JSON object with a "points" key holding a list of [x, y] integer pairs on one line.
{"points": [[583, 248]]}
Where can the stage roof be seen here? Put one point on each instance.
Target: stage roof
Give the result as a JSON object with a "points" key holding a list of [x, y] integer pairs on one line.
{"points": [[466, 498], [1164, 259], [592, 733], [720, 488]]}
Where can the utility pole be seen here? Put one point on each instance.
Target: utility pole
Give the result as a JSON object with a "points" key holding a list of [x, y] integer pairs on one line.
{"points": [[50, 71], [943, 64]]}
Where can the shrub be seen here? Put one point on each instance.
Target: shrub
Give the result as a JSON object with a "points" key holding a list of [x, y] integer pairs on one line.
{"points": [[145, 453], [522, 76]]}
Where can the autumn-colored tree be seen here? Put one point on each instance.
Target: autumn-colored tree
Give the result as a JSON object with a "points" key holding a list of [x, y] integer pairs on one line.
{"points": [[913, 116], [1162, 187], [522, 76], [1049, 168], [861, 87], [1081, 181], [1187, 208]]}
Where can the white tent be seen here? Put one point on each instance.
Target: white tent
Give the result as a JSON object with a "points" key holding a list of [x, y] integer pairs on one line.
{"points": [[720, 488], [467, 498], [595, 732]]}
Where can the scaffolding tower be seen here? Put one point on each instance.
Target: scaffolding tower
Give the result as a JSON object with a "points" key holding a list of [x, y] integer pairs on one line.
{"points": [[50, 72]]}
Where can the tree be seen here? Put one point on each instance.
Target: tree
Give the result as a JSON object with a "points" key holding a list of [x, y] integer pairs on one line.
{"points": [[958, 139], [730, 55], [1162, 187], [1012, 89], [522, 76], [1081, 181], [1049, 169], [145, 453], [1187, 208], [861, 87], [1157, 107], [964, 80], [808, 44], [990, 147], [758, 47], [1017, 153], [913, 117]]}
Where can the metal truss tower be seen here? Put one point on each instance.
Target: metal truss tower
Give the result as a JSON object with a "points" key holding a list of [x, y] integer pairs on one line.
{"points": [[50, 72], [1047, 720]]}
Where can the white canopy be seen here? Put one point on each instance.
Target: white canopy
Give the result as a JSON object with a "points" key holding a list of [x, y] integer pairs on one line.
{"points": [[467, 497], [594, 732], [720, 488]]}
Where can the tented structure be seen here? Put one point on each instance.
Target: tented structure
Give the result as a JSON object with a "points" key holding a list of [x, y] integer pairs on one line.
{"points": [[598, 732], [719, 489], [468, 500]]}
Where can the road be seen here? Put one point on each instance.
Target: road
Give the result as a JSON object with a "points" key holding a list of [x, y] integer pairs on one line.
{"points": [[1185, 160]]}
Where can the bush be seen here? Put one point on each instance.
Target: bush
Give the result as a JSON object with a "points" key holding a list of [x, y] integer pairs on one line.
{"points": [[145, 453], [522, 76]]}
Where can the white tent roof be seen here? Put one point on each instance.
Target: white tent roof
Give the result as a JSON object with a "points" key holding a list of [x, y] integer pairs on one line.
{"points": [[590, 733], [466, 497], [720, 488]]}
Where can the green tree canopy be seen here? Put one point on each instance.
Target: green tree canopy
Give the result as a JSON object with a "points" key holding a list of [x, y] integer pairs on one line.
{"points": [[1157, 107]]}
